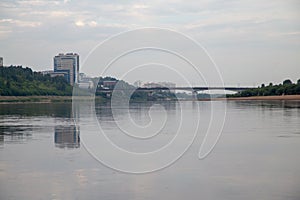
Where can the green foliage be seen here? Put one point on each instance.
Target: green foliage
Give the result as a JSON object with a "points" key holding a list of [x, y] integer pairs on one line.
{"points": [[287, 82], [130, 92], [287, 88], [19, 81]]}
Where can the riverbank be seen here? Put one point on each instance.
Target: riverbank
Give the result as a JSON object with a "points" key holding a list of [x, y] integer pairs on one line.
{"points": [[53, 99], [39, 99], [34, 99], [255, 98]]}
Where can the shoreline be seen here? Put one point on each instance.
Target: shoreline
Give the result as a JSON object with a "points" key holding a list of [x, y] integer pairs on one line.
{"points": [[34, 99], [260, 98], [61, 99], [37, 99]]}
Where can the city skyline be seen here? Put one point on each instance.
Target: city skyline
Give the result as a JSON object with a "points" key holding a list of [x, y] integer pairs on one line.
{"points": [[252, 42], [84, 80]]}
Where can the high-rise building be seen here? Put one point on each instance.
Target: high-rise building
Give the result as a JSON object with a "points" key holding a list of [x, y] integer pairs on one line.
{"points": [[69, 64], [1, 62]]}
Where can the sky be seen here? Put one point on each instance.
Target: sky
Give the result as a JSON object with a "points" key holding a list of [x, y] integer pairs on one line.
{"points": [[251, 41]]}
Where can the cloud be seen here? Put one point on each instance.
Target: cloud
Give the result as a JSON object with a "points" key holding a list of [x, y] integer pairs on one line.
{"points": [[227, 17], [92, 23], [35, 3], [79, 23], [20, 23], [291, 33], [224, 25]]}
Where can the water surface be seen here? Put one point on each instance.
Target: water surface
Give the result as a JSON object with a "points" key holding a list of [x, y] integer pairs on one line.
{"points": [[257, 156]]}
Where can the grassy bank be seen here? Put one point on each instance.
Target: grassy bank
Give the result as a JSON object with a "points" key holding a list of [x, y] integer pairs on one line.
{"points": [[41, 99], [34, 99]]}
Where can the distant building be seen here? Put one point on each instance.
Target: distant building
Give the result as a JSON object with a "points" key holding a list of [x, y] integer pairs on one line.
{"points": [[54, 74], [138, 83], [109, 84], [47, 72], [151, 85], [82, 76], [85, 82], [160, 84], [168, 85], [1, 62], [63, 74], [67, 64]]}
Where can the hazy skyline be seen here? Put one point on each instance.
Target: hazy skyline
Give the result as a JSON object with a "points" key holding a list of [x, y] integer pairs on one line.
{"points": [[251, 41]]}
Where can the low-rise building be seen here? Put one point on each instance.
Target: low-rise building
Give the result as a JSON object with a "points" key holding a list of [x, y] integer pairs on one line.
{"points": [[160, 84], [86, 84], [109, 84], [54, 74]]}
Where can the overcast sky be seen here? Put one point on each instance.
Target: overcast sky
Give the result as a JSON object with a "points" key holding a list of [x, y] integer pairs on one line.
{"points": [[251, 41]]}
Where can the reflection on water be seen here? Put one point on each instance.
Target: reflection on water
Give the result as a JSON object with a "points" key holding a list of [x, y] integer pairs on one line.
{"points": [[37, 109], [257, 156], [104, 110], [268, 104], [67, 137], [15, 134], [19, 123]]}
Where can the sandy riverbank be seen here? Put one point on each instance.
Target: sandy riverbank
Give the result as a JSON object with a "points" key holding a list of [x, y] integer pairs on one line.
{"points": [[52, 99], [283, 97]]}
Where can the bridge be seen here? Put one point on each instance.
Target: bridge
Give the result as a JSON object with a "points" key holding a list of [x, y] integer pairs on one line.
{"points": [[192, 89], [151, 90], [195, 89]]}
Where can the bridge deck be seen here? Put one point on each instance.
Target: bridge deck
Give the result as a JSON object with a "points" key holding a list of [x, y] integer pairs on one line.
{"points": [[182, 88]]}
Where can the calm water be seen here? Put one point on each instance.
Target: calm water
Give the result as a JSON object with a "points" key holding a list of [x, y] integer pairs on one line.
{"points": [[257, 156]]}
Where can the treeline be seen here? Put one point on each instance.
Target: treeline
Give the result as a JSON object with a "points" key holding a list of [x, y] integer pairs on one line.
{"points": [[19, 81], [286, 88]]}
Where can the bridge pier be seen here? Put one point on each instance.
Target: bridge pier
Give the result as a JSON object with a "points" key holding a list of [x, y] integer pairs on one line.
{"points": [[150, 93], [195, 95]]}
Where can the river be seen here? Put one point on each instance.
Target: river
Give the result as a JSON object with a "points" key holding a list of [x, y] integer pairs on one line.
{"points": [[257, 155]]}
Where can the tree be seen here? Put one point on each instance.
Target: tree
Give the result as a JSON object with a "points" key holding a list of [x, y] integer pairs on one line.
{"points": [[15, 80], [298, 82], [8, 84], [287, 82]]}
